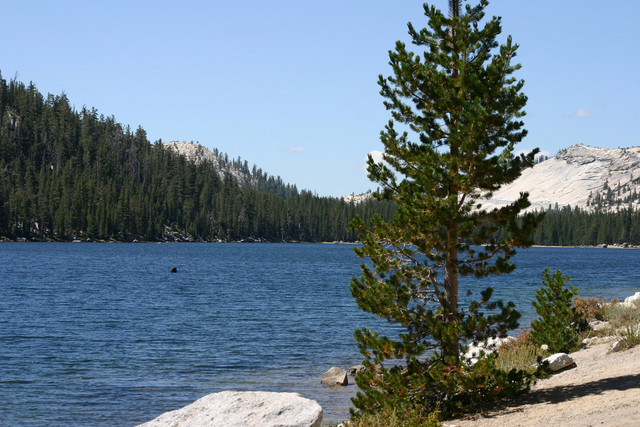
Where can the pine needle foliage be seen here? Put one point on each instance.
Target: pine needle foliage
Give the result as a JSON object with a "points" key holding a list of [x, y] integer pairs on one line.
{"points": [[456, 115], [559, 324]]}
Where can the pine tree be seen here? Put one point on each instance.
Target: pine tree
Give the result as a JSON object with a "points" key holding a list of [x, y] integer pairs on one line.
{"points": [[458, 107], [559, 324]]}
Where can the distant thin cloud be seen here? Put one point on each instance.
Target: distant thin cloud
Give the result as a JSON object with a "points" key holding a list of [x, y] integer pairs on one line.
{"points": [[579, 114], [292, 149]]}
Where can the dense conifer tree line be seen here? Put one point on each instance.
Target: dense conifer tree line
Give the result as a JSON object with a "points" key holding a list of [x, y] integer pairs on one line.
{"points": [[66, 175], [577, 227]]}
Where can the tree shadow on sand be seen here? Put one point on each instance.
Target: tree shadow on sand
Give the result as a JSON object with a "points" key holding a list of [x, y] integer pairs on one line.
{"points": [[564, 393]]}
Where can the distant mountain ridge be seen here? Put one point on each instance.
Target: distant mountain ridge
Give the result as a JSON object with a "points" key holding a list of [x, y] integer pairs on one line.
{"points": [[358, 198]]}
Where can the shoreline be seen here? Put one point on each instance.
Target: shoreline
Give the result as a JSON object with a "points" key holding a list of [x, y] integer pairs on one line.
{"points": [[598, 246], [259, 241]]}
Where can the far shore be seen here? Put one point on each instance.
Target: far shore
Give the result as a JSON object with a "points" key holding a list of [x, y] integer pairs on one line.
{"points": [[254, 241], [24, 240], [599, 246]]}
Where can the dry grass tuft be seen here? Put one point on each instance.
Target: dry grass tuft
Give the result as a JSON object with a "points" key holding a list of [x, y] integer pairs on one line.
{"points": [[520, 354], [622, 316], [393, 417]]}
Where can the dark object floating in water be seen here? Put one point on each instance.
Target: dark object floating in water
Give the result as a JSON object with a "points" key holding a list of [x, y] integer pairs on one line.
{"points": [[174, 270]]}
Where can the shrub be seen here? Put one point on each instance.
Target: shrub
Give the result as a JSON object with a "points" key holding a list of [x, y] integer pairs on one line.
{"points": [[631, 336], [451, 390], [559, 324], [396, 417], [621, 315], [478, 388], [590, 308], [521, 353]]}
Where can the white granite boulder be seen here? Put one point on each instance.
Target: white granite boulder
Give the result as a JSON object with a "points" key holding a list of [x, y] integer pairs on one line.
{"points": [[334, 377], [618, 345], [244, 409], [630, 301], [559, 361], [474, 352], [599, 325]]}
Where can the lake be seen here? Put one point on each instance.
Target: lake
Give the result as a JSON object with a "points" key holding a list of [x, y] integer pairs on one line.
{"points": [[104, 335]]}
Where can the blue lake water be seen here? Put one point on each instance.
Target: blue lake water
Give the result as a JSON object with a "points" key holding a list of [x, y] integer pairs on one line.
{"points": [[105, 335]]}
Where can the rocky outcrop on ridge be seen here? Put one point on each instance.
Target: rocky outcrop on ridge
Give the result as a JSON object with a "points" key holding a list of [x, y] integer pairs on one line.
{"points": [[198, 154], [244, 409], [358, 198]]}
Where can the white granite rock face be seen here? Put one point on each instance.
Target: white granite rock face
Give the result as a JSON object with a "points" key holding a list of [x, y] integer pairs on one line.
{"points": [[197, 153], [244, 409], [356, 199], [571, 176]]}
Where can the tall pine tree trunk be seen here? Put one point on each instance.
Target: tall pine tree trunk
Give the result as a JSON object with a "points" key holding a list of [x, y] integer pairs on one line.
{"points": [[450, 297]]}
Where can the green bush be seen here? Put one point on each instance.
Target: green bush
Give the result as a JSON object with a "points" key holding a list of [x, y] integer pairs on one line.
{"points": [[433, 386], [560, 324], [480, 387]]}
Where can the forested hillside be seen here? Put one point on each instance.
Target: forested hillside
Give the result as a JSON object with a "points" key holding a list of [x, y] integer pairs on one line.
{"points": [[68, 174]]}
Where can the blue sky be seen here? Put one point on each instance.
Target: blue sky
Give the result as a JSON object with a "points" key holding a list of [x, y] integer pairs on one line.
{"points": [[291, 85]]}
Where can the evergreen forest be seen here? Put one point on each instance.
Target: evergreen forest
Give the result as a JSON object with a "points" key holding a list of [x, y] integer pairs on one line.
{"points": [[67, 175], [577, 227]]}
